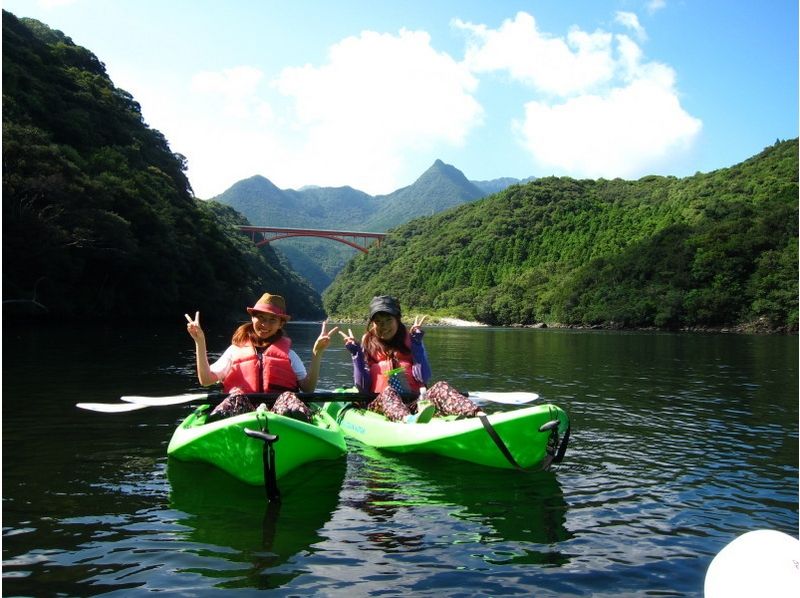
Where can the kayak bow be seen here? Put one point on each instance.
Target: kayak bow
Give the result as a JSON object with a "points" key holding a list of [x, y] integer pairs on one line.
{"points": [[225, 444], [529, 438]]}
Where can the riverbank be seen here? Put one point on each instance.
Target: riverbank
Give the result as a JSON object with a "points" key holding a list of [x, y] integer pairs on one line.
{"points": [[757, 327]]}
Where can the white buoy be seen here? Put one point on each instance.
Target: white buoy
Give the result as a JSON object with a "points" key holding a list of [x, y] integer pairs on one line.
{"points": [[763, 562]]}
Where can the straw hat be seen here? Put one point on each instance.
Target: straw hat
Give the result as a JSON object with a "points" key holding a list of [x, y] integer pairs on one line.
{"points": [[270, 304]]}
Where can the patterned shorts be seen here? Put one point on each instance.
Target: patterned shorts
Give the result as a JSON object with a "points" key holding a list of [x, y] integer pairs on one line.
{"points": [[390, 404], [289, 405], [237, 402], [448, 401]]}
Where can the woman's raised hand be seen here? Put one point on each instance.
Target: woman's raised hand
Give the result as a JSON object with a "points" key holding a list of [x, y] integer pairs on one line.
{"points": [[417, 325], [324, 338], [193, 327], [348, 338], [416, 331], [350, 341]]}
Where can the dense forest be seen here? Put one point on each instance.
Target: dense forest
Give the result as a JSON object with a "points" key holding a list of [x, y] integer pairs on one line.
{"points": [[710, 250], [98, 216]]}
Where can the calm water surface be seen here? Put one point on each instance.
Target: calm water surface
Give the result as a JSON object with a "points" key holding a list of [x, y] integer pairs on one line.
{"points": [[680, 443]]}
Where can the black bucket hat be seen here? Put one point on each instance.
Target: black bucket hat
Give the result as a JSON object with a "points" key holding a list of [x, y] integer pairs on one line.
{"points": [[384, 304]]}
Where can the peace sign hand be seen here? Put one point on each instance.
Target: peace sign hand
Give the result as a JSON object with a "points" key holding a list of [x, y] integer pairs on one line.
{"points": [[193, 327], [416, 328], [324, 338], [350, 341]]}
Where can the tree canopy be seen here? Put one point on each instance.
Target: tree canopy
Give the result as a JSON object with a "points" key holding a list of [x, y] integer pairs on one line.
{"points": [[98, 215], [707, 250]]}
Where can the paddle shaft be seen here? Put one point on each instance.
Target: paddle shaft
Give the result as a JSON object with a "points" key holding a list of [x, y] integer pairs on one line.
{"points": [[313, 397], [132, 403], [479, 397]]}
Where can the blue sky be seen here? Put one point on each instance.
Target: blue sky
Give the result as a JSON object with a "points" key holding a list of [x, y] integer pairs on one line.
{"points": [[370, 93]]}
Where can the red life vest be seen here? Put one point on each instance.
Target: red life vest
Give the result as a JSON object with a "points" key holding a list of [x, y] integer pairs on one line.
{"points": [[274, 375], [381, 363]]}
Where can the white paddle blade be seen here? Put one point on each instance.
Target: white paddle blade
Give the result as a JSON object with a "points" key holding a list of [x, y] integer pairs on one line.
{"points": [[505, 398], [110, 407], [163, 401]]}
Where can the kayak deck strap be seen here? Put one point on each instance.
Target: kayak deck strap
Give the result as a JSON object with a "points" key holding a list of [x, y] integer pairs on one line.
{"points": [[498, 441], [270, 476], [553, 455]]}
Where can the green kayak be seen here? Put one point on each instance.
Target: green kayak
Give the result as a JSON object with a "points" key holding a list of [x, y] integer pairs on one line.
{"points": [[529, 438], [224, 443]]}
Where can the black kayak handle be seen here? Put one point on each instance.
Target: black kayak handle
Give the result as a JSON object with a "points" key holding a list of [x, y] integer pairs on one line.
{"points": [[546, 427], [268, 438]]}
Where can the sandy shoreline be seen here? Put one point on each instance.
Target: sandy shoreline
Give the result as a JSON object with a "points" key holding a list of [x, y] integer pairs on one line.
{"points": [[460, 323]]}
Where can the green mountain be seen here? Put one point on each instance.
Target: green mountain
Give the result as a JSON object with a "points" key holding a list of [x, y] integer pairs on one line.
{"points": [[264, 204], [98, 215], [439, 188], [343, 208], [708, 250]]}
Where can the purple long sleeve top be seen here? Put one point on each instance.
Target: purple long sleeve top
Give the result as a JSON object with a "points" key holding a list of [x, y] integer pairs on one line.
{"points": [[420, 369]]}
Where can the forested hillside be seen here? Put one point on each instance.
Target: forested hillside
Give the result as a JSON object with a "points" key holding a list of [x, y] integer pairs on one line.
{"points": [[708, 250], [440, 187], [98, 216], [343, 208]]}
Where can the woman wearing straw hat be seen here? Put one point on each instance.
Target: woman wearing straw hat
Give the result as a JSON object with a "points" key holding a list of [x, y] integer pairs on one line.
{"points": [[260, 359]]}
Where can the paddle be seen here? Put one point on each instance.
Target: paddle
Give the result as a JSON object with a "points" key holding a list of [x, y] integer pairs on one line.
{"points": [[133, 402], [505, 398], [110, 407], [479, 397]]}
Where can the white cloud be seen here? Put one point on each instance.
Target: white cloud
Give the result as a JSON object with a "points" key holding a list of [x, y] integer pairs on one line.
{"points": [[379, 97], [619, 134], [597, 109], [655, 5], [630, 20], [560, 66], [355, 120], [238, 87]]}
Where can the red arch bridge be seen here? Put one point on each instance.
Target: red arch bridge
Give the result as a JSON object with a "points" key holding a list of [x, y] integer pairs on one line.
{"points": [[261, 235]]}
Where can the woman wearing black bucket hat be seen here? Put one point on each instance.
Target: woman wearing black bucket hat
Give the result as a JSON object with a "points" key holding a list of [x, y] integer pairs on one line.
{"points": [[392, 360]]}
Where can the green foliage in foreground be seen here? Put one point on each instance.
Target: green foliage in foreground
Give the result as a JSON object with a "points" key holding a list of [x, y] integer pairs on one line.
{"points": [[98, 216], [708, 250]]}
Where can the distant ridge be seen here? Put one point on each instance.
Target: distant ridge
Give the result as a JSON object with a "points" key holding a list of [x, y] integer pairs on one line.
{"points": [[493, 186], [440, 187]]}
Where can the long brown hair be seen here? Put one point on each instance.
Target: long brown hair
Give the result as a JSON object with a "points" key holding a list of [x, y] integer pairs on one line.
{"points": [[375, 346], [246, 335]]}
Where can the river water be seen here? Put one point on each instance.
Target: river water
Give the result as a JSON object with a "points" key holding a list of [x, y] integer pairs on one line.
{"points": [[680, 443]]}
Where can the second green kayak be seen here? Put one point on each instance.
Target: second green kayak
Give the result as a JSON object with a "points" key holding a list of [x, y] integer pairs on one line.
{"points": [[529, 438], [223, 443]]}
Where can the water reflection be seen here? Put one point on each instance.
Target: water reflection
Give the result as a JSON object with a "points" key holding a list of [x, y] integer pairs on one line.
{"points": [[238, 538], [477, 505]]}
